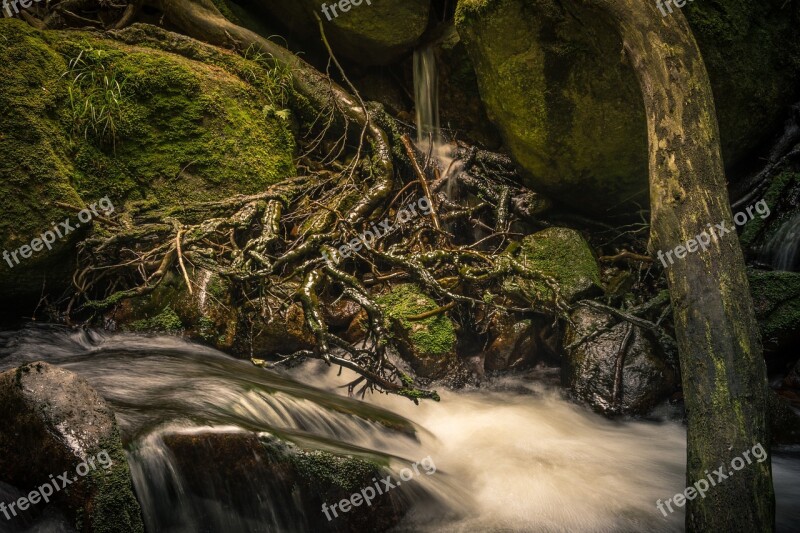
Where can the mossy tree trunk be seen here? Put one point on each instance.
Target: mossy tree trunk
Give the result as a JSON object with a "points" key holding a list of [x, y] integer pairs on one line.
{"points": [[724, 375]]}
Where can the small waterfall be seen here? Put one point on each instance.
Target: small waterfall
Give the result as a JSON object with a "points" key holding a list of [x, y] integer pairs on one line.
{"points": [[782, 250], [429, 133]]}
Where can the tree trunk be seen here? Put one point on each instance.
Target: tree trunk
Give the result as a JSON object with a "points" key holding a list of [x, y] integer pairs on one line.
{"points": [[724, 375]]}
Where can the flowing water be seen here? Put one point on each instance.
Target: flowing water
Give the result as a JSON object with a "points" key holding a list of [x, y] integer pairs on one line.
{"points": [[782, 251], [429, 132], [515, 457]]}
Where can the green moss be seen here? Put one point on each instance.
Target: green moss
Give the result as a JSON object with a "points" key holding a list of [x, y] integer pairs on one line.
{"points": [[114, 507], [778, 188], [432, 336], [776, 298], [187, 129], [561, 254], [345, 473], [167, 321]]}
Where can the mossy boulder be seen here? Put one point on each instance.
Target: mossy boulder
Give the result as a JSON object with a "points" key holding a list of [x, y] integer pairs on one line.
{"points": [[374, 32], [167, 130], [56, 423], [429, 345], [776, 296], [561, 254], [556, 82]]}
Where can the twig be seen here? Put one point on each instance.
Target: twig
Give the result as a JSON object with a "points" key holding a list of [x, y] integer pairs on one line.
{"points": [[422, 181], [433, 312]]}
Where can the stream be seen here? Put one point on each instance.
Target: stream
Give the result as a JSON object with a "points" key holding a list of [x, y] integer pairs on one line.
{"points": [[513, 456]]}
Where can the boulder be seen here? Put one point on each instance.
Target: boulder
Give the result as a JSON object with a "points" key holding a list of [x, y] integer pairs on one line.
{"points": [[262, 482], [185, 130], [374, 32], [563, 255], [513, 343], [590, 369], [429, 345], [556, 82], [56, 423]]}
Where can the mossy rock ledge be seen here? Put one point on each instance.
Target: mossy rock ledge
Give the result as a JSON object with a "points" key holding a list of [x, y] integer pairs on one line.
{"points": [[184, 131], [556, 83]]}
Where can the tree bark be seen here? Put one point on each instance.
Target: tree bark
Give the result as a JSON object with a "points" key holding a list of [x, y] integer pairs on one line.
{"points": [[724, 375]]}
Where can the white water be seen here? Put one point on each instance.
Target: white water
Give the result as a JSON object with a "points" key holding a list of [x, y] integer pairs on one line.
{"points": [[783, 249], [516, 458], [429, 132]]}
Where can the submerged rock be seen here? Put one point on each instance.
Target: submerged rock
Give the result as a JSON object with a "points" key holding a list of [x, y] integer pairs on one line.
{"points": [[556, 82], [590, 369], [54, 423], [562, 254], [261, 480], [429, 345]]}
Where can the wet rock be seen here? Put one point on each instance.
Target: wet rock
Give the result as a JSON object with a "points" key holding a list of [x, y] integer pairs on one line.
{"points": [[374, 33], [562, 254], [54, 421], [590, 369], [570, 110], [429, 345], [513, 344], [254, 473]]}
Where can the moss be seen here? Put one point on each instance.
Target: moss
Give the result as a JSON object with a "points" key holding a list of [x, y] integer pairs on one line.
{"points": [[187, 130], [114, 507], [776, 298], [571, 112], [166, 321], [562, 254], [434, 335], [776, 194]]}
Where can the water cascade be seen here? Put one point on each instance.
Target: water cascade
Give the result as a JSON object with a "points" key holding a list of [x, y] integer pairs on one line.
{"points": [[517, 457]]}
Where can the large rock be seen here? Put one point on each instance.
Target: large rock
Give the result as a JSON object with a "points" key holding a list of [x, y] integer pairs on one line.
{"points": [[555, 81], [561, 254], [54, 422], [376, 32], [429, 345], [590, 368], [187, 130], [262, 482]]}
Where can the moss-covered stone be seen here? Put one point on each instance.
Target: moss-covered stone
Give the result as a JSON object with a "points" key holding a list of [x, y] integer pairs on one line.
{"points": [[776, 296], [171, 130], [373, 33], [563, 255], [556, 83], [166, 321], [429, 344]]}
